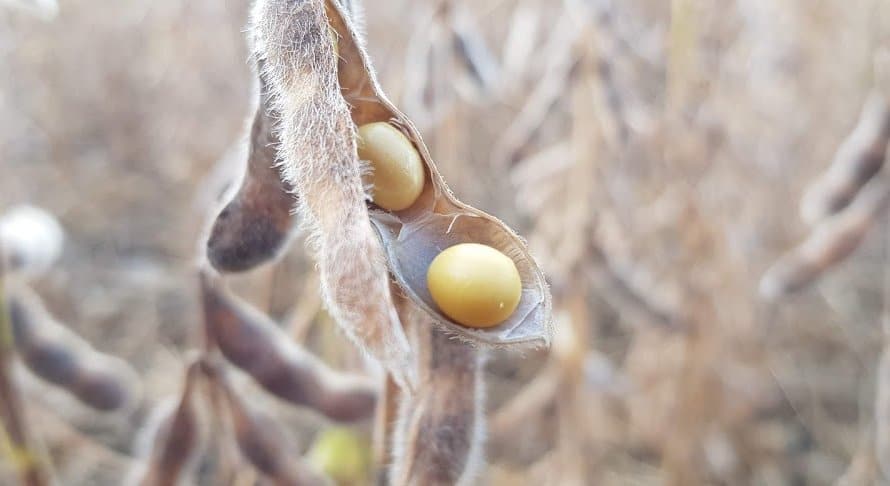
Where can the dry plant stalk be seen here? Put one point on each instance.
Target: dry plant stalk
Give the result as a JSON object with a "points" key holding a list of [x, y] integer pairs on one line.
{"points": [[440, 433], [294, 46], [857, 160], [459, 39], [637, 304], [62, 358], [881, 439], [882, 412], [515, 141], [261, 441], [472, 49], [527, 404], [863, 468], [175, 436], [18, 442], [446, 38], [384, 428], [255, 225], [832, 241], [254, 344]]}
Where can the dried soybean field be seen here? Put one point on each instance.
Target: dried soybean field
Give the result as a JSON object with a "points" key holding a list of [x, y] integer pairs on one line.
{"points": [[701, 183]]}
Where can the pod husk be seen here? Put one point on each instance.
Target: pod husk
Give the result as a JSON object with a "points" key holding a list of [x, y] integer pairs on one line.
{"points": [[412, 238], [255, 226], [254, 344], [858, 159], [62, 358], [175, 438]]}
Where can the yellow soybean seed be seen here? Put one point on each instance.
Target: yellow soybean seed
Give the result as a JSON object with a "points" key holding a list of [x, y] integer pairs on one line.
{"points": [[341, 455], [397, 176], [475, 285]]}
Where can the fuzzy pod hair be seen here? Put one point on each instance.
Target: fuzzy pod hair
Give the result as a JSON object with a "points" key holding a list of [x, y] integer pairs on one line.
{"points": [[250, 341], [172, 438], [356, 11], [60, 357], [292, 40], [858, 159], [256, 224], [261, 441], [440, 433]]}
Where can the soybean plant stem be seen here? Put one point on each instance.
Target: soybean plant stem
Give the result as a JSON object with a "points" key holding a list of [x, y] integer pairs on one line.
{"points": [[16, 440]]}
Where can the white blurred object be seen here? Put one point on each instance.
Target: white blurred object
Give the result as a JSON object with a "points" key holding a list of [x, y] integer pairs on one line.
{"points": [[45, 9], [31, 240]]}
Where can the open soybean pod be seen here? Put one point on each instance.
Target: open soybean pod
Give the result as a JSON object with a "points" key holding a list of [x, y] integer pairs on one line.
{"points": [[58, 356], [857, 160], [261, 440], [256, 224], [250, 341], [414, 236], [173, 437]]}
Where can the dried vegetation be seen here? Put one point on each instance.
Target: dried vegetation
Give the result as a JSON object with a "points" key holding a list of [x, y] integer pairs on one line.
{"points": [[702, 183]]}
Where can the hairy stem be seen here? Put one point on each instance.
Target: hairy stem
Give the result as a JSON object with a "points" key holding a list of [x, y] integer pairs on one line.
{"points": [[441, 428]]}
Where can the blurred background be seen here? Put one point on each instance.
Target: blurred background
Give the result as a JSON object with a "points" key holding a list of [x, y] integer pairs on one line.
{"points": [[653, 153]]}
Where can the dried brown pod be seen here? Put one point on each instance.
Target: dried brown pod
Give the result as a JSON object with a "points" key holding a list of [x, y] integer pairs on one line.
{"points": [[253, 343], [22, 449], [58, 356], [440, 434], [256, 224], [857, 160], [261, 441], [832, 241], [437, 220], [294, 43], [173, 436]]}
